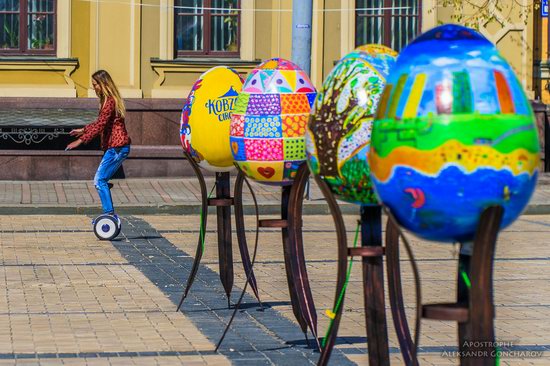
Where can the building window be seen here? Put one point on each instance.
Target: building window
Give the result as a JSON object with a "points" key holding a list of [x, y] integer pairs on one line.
{"points": [[389, 22], [207, 27], [27, 27]]}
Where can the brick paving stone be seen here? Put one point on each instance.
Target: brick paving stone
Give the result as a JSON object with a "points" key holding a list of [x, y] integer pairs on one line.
{"points": [[61, 197], [25, 193], [92, 191], [127, 191], [158, 189]]}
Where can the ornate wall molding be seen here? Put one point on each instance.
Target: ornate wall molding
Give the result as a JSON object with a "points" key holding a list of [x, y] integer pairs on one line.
{"points": [[164, 68], [61, 67]]}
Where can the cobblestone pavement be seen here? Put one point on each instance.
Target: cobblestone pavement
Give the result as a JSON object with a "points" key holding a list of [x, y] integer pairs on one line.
{"points": [[167, 195], [69, 299]]}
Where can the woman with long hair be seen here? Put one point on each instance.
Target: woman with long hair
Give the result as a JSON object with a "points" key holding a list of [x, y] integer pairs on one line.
{"points": [[111, 128]]}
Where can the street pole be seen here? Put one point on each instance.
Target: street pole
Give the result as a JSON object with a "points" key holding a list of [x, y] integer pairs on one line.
{"points": [[302, 12]]}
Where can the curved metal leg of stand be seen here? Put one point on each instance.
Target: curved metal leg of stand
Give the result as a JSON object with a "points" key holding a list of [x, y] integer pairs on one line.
{"points": [[395, 289], [480, 329], [373, 283], [241, 236], [225, 245], [204, 216], [474, 309], [287, 248], [342, 271], [290, 275], [296, 248], [244, 251]]}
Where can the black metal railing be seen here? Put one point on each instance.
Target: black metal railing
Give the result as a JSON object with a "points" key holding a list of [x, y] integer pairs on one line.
{"points": [[42, 129]]}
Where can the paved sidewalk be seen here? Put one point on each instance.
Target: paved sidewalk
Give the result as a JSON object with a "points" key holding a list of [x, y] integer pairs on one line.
{"points": [[69, 299], [166, 195]]}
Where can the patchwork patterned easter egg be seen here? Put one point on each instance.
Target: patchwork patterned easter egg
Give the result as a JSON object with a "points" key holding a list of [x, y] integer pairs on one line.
{"points": [[339, 131], [206, 117], [454, 134], [269, 122]]}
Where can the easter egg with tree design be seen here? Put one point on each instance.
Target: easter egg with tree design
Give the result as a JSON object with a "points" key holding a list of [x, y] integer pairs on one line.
{"points": [[339, 131]]}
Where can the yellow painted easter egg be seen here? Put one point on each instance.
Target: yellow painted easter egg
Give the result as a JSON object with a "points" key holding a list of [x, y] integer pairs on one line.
{"points": [[206, 117]]}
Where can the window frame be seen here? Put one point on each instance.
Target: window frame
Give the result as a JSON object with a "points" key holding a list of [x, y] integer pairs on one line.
{"points": [[23, 49], [207, 16], [387, 17]]}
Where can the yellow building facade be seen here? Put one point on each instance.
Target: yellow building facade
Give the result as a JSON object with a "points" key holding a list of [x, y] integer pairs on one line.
{"points": [[135, 40]]}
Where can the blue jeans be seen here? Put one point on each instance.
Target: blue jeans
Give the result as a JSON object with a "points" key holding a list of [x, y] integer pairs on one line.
{"points": [[112, 160]]}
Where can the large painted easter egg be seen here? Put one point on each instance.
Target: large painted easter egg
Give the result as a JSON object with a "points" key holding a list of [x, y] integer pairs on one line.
{"points": [[454, 134], [206, 117], [269, 122], [339, 130]]}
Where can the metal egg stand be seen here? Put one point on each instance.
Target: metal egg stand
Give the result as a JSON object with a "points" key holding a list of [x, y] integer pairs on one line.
{"points": [[371, 251], [298, 283], [301, 298], [473, 310], [223, 202]]}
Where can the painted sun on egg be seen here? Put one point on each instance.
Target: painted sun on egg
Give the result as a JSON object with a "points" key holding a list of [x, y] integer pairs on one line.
{"points": [[454, 134]]}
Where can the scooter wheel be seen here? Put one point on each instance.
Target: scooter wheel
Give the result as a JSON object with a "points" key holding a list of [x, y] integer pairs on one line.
{"points": [[106, 227]]}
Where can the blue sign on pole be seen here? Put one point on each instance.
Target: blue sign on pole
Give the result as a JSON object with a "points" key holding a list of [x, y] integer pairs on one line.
{"points": [[544, 9]]}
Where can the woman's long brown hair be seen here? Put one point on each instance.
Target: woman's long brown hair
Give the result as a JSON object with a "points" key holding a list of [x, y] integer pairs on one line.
{"points": [[108, 89]]}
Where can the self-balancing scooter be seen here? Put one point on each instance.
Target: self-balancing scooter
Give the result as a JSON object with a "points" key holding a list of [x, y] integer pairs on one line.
{"points": [[106, 227]]}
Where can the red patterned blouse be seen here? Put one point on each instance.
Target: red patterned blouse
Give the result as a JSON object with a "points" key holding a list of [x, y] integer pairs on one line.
{"points": [[109, 125]]}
